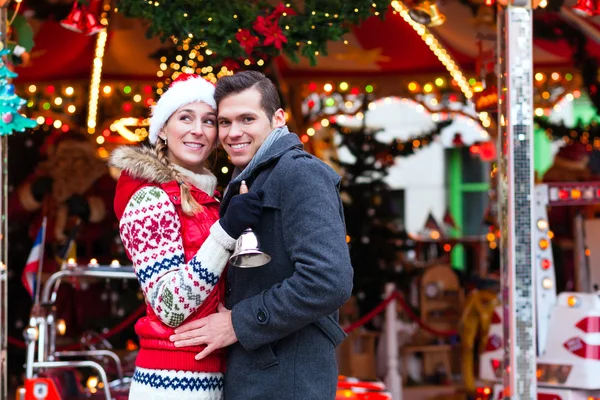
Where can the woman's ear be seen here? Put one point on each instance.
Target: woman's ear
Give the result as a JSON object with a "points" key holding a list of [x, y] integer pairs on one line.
{"points": [[162, 135]]}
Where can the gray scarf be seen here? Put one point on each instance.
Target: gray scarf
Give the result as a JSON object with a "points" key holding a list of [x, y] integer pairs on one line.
{"points": [[275, 135]]}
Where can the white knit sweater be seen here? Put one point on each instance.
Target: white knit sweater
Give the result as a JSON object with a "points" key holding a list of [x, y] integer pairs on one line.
{"points": [[150, 231]]}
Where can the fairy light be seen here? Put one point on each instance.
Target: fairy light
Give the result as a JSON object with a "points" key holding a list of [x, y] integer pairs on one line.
{"points": [[437, 48], [120, 126], [95, 82]]}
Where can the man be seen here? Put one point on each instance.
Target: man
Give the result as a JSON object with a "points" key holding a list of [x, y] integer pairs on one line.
{"points": [[280, 320]]}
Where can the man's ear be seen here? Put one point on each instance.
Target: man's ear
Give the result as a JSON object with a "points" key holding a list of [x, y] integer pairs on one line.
{"points": [[278, 119]]}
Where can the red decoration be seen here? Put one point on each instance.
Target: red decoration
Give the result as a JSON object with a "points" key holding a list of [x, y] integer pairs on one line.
{"points": [[262, 25], [432, 224], [269, 28], [457, 140], [75, 20], [276, 38], [281, 9], [92, 25], [585, 8], [231, 64], [81, 20], [487, 151], [494, 342], [580, 348], [246, 40], [449, 220], [589, 324], [496, 318]]}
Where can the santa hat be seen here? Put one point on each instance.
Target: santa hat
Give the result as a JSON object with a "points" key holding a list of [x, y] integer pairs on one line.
{"points": [[186, 89]]}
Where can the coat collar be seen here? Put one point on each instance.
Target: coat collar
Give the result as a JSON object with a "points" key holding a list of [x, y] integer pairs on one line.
{"points": [[141, 163], [277, 149]]}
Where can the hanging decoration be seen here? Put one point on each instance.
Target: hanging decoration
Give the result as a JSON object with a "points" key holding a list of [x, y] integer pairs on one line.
{"points": [[20, 38], [586, 134], [363, 139], [82, 20], [586, 8], [427, 13], [250, 33], [10, 103]]}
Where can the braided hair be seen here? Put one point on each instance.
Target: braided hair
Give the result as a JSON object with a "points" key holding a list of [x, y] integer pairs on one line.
{"points": [[189, 205]]}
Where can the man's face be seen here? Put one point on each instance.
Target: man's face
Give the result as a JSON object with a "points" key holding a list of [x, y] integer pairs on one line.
{"points": [[244, 125]]}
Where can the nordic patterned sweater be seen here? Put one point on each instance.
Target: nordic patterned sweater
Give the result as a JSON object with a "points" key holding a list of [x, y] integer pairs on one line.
{"points": [[150, 213]]}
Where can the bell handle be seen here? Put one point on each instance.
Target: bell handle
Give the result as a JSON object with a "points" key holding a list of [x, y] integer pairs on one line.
{"points": [[243, 187]]}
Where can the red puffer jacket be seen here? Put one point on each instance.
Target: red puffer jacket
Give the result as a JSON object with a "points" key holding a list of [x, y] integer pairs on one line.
{"points": [[156, 350]]}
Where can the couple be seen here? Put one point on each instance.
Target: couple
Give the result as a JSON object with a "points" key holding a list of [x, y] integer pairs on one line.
{"points": [[213, 332]]}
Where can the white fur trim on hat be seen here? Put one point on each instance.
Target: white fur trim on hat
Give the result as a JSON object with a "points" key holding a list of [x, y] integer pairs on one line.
{"points": [[179, 94]]}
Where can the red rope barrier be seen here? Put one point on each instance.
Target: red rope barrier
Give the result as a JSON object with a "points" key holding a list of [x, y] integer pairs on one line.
{"points": [[371, 314], [16, 342], [116, 329], [397, 295], [422, 324]]}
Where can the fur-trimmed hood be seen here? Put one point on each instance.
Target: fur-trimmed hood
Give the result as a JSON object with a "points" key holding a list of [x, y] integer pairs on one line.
{"points": [[140, 167], [140, 162]]}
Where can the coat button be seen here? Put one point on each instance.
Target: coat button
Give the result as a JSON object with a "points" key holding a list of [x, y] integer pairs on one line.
{"points": [[228, 290], [261, 316]]}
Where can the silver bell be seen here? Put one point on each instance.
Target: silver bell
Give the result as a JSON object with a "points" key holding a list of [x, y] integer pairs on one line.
{"points": [[247, 253]]}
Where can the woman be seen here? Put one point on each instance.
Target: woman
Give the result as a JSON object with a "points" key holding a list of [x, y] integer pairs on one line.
{"points": [[168, 223]]}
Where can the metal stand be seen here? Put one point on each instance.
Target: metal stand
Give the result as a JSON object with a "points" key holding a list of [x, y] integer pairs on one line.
{"points": [[515, 60], [3, 235], [393, 381]]}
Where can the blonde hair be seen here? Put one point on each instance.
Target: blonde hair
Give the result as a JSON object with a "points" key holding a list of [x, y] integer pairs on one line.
{"points": [[189, 205]]}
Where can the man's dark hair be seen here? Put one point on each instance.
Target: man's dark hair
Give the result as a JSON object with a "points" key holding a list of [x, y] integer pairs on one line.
{"points": [[237, 83]]}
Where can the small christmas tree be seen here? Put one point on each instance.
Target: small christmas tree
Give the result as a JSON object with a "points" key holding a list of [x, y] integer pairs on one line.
{"points": [[10, 103]]}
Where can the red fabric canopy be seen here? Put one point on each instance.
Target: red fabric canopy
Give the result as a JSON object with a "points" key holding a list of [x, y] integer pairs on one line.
{"points": [[377, 47]]}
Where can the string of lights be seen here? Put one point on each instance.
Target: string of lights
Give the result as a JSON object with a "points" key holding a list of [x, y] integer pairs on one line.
{"points": [[96, 79]]}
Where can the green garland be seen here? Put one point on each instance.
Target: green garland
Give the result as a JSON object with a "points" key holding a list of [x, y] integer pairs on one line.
{"points": [[584, 133], [375, 156], [231, 32]]}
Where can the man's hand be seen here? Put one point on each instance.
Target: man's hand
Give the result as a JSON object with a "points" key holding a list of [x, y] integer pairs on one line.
{"points": [[215, 331]]}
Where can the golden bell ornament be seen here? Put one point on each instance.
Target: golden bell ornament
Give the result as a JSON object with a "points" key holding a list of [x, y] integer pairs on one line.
{"points": [[427, 13]]}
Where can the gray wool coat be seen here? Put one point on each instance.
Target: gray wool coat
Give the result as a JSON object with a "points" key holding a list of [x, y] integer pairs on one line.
{"points": [[285, 313]]}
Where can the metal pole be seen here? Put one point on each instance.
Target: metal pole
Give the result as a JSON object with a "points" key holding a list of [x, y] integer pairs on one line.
{"points": [[515, 63], [392, 380], [3, 230], [581, 278], [77, 364]]}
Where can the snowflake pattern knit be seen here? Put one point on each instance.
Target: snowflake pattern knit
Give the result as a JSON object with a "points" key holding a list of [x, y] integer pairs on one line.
{"points": [[150, 231]]}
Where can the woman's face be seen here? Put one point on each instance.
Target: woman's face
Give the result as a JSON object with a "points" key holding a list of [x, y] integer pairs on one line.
{"points": [[191, 133]]}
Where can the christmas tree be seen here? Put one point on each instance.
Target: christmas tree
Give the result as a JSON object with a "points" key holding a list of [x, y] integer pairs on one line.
{"points": [[10, 103], [376, 235]]}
